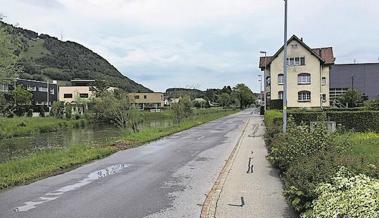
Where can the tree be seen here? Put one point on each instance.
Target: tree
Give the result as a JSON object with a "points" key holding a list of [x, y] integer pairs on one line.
{"points": [[57, 109], [134, 119], [225, 99], [244, 95], [21, 96], [99, 87], [112, 109], [352, 98], [182, 109]]}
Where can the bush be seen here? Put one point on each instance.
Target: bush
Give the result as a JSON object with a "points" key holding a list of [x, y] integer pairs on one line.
{"points": [[346, 196], [300, 142], [361, 121], [276, 104]]}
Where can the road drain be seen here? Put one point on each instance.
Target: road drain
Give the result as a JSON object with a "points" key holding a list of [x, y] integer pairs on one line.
{"points": [[111, 170]]}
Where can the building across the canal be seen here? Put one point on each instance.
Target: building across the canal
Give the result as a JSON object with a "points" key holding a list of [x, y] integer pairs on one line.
{"points": [[149, 100]]}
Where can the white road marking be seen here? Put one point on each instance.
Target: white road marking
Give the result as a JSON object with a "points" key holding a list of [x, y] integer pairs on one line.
{"points": [[57, 193]]}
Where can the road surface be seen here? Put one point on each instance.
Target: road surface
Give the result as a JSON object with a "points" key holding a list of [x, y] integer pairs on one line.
{"points": [[165, 178]]}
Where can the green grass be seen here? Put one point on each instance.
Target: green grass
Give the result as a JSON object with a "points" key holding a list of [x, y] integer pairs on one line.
{"points": [[24, 126], [269, 117], [200, 116], [50, 162], [365, 145], [42, 164]]}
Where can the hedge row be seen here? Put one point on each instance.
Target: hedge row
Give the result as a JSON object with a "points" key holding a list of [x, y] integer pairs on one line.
{"points": [[361, 121]]}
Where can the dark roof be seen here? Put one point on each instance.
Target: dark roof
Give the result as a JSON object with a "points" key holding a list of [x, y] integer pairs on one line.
{"points": [[325, 55]]}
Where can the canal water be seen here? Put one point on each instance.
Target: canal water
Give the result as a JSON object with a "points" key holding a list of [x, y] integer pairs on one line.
{"points": [[91, 135]]}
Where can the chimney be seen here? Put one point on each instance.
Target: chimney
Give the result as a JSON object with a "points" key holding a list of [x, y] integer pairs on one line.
{"points": [[301, 38]]}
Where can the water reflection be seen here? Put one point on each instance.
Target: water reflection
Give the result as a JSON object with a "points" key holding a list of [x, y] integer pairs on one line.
{"points": [[94, 135]]}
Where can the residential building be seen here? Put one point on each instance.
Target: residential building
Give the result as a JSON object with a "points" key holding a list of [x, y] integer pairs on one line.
{"points": [[363, 77], [151, 100], [307, 78], [44, 93], [79, 89]]}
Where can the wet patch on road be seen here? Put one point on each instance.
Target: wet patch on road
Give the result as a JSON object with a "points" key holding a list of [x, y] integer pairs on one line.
{"points": [[50, 196]]}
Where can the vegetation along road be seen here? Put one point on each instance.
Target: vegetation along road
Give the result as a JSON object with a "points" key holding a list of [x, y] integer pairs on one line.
{"points": [[165, 178]]}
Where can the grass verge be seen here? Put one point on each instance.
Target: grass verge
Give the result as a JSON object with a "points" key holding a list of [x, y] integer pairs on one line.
{"points": [[201, 116], [24, 126], [50, 162]]}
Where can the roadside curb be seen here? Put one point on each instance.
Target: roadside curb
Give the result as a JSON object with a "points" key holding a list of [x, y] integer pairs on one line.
{"points": [[210, 203]]}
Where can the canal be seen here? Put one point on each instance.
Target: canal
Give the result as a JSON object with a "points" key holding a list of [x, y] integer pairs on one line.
{"points": [[91, 135]]}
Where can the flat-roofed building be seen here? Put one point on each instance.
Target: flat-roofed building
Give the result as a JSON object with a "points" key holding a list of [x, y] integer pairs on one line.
{"points": [[363, 77], [149, 100], [70, 94]]}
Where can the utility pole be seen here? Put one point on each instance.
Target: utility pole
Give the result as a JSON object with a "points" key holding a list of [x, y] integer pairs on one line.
{"points": [[285, 69], [260, 81], [264, 79]]}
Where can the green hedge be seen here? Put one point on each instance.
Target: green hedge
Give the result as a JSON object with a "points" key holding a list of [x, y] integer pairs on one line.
{"points": [[361, 121]]}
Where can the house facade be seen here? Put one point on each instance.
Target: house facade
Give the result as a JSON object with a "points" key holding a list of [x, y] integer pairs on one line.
{"points": [[79, 89], [43, 93], [308, 75], [151, 100]]}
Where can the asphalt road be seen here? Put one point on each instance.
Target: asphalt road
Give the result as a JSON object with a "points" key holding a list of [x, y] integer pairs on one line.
{"points": [[165, 178]]}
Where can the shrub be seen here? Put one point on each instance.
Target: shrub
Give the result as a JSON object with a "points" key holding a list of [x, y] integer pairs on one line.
{"points": [[361, 121], [346, 195], [300, 142]]}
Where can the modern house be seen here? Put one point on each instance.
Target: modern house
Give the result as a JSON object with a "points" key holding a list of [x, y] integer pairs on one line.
{"points": [[363, 77], [308, 75], [151, 100], [79, 89], [44, 93]]}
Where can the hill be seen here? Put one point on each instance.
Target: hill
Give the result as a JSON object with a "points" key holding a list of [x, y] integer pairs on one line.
{"points": [[29, 55]]}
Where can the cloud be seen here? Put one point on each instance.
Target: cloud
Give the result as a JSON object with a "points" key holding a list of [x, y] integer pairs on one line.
{"points": [[212, 43]]}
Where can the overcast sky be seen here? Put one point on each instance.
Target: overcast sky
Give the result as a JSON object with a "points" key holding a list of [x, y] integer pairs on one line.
{"points": [[200, 43]]}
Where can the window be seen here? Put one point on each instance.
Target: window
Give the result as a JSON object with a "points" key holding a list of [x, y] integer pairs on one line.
{"points": [[4, 88], [145, 97], [42, 89], [31, 88], [292, 61], [304, 96], [302, 61], [323, 97], [52, 91], [136, 97], [83, 95], [323, 81], [268, 81], [304, 78], [280, 94], [297, 61], [280, 79], [67, 95]]}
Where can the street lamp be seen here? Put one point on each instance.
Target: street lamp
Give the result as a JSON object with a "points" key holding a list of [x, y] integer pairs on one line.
{"points": [[285, 68], [264, 73]]}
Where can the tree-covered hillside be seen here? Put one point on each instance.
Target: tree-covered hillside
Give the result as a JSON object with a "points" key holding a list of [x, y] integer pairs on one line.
{"points": [[28, 55]]}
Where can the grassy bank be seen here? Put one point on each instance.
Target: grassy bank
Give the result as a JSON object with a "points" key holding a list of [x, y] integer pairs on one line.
{"points": [[200, 116], [24, 126], [49, 162], [42, 164]]}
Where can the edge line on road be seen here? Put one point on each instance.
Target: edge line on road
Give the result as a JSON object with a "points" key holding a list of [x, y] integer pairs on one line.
{"points": [[210, 203]]}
